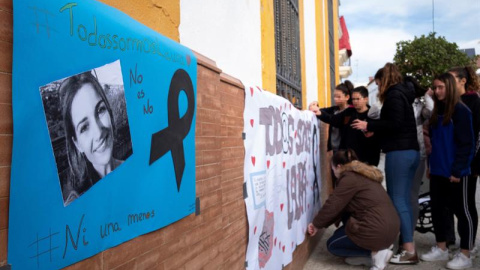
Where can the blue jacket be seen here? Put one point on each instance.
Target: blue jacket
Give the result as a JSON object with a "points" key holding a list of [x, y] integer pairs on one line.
{"points": [[452, 144]]}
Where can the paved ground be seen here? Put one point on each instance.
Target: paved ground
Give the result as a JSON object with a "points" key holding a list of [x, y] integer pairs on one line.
{"points": [[321, 259]]}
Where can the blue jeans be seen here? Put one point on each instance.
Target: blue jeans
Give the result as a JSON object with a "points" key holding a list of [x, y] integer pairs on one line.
{"points": [[400, 168], [340, 245]]}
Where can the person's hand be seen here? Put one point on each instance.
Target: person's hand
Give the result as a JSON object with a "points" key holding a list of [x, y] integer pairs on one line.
{"points": [[359, 124], [312, 230], [368, 134], [314, 108], [430, 92], [454, 179], [313, 104]]}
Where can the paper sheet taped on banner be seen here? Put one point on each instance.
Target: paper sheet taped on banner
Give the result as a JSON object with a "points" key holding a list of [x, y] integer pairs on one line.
{"points": [[258, 184]]}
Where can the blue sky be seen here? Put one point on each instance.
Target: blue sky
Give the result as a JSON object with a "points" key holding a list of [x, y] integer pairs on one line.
{"points": [[375, 26]]}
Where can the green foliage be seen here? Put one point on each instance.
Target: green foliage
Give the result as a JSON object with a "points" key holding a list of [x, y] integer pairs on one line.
{"points": [[427, 56]]}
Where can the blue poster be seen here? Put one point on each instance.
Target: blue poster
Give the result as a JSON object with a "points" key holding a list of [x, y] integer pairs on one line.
{"points": [[104, 132]]}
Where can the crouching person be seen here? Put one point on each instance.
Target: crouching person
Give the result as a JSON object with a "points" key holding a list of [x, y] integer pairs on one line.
{"points": [[371, 223]]}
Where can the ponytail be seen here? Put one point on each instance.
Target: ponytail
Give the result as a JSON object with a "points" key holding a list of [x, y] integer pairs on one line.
{"points": [[468, 73], [346, 88], [343, 157]]}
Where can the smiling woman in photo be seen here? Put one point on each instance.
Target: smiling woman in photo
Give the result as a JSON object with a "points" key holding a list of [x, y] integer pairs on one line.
{"points": [[89, 133]]}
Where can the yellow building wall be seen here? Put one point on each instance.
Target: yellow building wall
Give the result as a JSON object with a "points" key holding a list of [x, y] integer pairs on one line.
{"points": [[269, 71], [162, 16], [336, 38], [321, 52], [327, 77]]}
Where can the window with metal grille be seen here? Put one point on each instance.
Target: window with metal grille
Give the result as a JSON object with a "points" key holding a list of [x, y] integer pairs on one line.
{"points": [[287, 51], [331, 42]]}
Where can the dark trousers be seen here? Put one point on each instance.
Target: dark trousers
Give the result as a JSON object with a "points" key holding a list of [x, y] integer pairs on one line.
{"points": [[460, 199], [340, 245]]}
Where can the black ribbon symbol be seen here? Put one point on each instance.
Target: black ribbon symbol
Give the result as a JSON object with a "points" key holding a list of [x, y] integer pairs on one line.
{"points": [[171, 138], [316, 195]]}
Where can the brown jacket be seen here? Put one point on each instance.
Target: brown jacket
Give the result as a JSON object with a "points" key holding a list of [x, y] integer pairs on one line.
{"points": [[373, 223]]}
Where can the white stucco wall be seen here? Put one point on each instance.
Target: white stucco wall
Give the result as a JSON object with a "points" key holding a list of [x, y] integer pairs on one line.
{"points": [[228, 32], [310, 51]]}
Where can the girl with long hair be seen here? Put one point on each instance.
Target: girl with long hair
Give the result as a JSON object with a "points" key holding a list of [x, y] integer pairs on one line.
{"points": [[89, 133], [397, 131], [452, 142]]}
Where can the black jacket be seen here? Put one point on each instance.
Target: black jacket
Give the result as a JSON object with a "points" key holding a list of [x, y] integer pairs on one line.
{"points": [[472, 100], [396, 127], [366, 148], [331, 110]]}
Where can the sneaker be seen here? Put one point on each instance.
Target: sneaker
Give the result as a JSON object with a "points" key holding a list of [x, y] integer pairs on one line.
{"points": [[474, 252], [366, 261], [435, 254], [460, 261], [404, 258], [381, 258]]}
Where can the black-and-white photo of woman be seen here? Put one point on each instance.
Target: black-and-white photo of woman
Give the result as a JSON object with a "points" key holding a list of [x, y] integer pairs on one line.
{"points": [[95, 139]]}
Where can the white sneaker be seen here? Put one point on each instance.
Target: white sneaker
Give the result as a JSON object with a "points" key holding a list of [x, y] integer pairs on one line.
{"points": [[381, 259], [474, 252], [366, 261], [435, 254], [460, 261]]}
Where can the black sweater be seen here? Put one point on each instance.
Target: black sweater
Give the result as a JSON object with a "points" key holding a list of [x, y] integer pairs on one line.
{"points": [[367, 149], [396, 127], [331, 110], [472, 100]]}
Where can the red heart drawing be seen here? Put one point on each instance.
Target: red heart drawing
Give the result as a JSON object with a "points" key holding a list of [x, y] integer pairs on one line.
{"points": [[275, 242], [290, 106], [255, 230], [281, 207], [283, 248], [253, 160], [251, 91], [251, 122], [284, 164], [295, 134], [259, 89], [268, 164]]}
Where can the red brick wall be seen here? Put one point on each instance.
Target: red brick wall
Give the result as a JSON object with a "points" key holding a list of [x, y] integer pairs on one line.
{"points": [[215, 239], [6, 127]]}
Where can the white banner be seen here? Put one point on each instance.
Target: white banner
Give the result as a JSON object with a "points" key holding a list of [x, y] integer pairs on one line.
{"points": [[282, 177]]}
